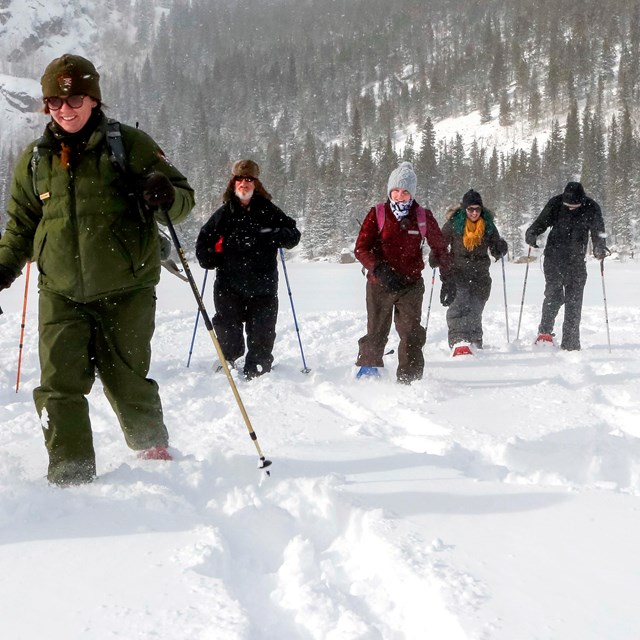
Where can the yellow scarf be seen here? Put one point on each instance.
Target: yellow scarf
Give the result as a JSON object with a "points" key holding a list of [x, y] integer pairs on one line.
{"points": [[473, 233]]}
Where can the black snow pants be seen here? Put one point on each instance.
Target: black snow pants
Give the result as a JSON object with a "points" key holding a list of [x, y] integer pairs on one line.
{"points": [[258, 314], [564, 284]]}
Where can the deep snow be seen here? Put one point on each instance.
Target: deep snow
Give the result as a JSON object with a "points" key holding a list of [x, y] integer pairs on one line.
{"points": [[498, 498]]}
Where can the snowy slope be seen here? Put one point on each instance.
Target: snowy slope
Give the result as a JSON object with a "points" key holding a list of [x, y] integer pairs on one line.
{"points": [[499, 498]]}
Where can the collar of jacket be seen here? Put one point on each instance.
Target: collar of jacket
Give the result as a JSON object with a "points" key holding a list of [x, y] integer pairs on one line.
{"points": [[460, 217], [90, 135]]}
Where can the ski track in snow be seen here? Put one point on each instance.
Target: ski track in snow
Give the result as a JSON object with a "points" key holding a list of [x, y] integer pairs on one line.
{"points": [[215, 549]]}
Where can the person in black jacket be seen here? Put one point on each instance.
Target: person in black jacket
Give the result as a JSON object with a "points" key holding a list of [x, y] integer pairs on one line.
{"points": [[572, 217], [471, 235], [241, 241]]}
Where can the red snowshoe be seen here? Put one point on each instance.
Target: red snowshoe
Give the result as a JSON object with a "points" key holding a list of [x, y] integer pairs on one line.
{"points": [[155, 453], [462, 349]]}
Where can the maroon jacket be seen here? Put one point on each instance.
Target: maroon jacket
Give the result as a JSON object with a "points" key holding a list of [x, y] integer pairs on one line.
{"points": [[399, 244]]}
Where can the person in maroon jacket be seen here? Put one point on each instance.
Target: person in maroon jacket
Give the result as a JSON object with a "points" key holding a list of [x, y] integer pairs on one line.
{"points": [[389, 246]]}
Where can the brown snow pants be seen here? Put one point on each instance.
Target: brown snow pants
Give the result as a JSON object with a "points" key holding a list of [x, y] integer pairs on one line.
{"points": [[405, 309]]}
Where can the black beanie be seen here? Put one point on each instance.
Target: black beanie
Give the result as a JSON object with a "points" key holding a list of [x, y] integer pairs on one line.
{"points": [[573, 193], [470, 198]]}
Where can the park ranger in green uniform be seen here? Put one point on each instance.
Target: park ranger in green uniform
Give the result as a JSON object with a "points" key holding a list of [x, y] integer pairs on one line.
{"points": [[91, 228]]}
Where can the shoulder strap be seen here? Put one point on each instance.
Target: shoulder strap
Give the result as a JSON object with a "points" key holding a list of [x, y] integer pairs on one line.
{"points": [[380, 214], [35, 159], [421, 214], [115, 145]]}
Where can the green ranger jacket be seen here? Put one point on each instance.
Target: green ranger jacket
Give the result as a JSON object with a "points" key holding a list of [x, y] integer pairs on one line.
{"points": [[87, 236]]}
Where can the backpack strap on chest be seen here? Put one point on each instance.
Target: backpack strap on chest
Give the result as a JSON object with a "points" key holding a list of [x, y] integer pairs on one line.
{"points": [[380, 215], [115, 145]]}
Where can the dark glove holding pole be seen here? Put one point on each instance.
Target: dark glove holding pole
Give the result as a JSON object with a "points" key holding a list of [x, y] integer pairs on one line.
{"points": [[447, 291], [390, 279], [277, 236], [531, 239], [600, 252], [6, 277], [500, 250], [157, 191]]}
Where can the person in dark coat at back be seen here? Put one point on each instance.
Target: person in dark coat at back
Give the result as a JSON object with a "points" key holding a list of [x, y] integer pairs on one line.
{"points": [[573, 218], [392, 255], [470, 234], [241, 241]]}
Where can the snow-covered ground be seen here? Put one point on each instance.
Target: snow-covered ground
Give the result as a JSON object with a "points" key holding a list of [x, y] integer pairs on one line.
{"points": [[497, 499]]}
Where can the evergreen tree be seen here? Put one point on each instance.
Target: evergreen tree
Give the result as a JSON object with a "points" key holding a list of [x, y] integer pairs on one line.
{"points": [[572, 140], [505, 117], [426, 164]]}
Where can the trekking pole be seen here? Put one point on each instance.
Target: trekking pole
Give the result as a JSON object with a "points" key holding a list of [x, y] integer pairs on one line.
{"points": [[263, 463], [426, 324], [504, 287], [524, 288], [22, 324], [295, 320], [604, 296], [195, 326]]}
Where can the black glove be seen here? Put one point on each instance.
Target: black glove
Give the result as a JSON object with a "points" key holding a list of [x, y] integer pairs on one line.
{"points": [[157, 190], [270, 236], [277, 236], [390, 279], [531, 239], [165, 247], [500, 249], [447, 291], [601, 252], [6, 277]]}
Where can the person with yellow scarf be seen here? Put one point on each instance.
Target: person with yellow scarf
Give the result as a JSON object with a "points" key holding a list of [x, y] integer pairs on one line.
{"points": [[471, 235]]}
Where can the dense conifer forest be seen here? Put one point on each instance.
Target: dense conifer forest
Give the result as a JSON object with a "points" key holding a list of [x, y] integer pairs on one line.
{"points": [[328, 95]]}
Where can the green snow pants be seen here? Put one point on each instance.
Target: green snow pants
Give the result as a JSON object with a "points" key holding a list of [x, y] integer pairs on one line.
{"points": [[110, 336]]}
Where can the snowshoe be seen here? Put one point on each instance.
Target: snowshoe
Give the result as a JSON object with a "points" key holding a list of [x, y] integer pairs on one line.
{"points": [[544, 338], [155, 453], [461, 349], [367, 372], [219, 368]]}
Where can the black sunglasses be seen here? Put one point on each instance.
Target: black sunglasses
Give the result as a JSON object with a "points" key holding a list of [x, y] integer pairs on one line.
{"points": [[245, 179], [55, 102]]}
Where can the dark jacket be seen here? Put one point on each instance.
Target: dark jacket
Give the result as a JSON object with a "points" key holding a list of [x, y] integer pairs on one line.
{"points": [[471, 266], [570, 229], [242, 244], [399, 244], [88, 238]]}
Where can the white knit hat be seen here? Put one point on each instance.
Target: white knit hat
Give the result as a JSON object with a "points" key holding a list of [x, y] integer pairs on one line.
{"points": [[403, 177]]}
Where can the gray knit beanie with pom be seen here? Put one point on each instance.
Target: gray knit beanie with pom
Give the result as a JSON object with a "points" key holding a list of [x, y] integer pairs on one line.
{"points": [[403, 177]]}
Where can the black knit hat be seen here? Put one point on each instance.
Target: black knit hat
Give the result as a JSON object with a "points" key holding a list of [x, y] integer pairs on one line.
{"points": [[470, 198], [573, 193], [70, 75]]}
